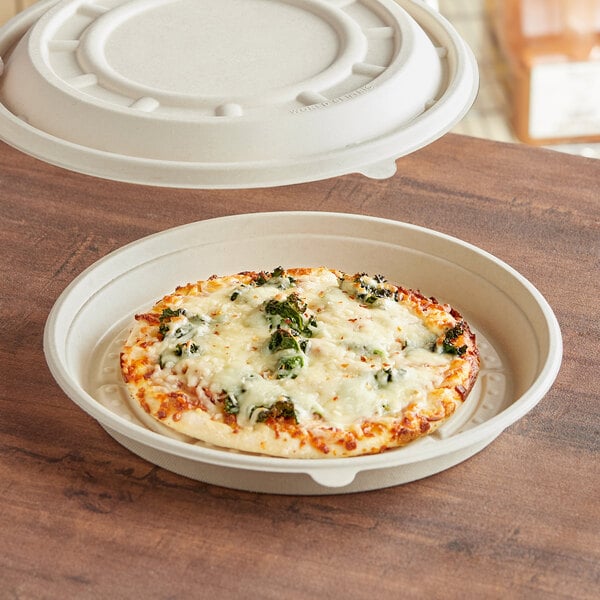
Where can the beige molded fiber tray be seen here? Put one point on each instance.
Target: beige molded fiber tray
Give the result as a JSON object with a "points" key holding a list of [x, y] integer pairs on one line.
{"points": [[230, 93], [518, 335]]}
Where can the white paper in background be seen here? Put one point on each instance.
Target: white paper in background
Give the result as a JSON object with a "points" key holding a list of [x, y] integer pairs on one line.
{"points": [[565, 100]]}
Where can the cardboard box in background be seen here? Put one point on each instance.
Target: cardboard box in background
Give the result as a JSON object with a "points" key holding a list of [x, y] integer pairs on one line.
{"points": [[9, 8]]}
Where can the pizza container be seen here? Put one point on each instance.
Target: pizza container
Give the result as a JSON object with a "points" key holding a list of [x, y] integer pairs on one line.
{"points": [[230, 93], [517, 332]]}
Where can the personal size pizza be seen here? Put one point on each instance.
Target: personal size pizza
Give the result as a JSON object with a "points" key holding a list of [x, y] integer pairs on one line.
{"points": [[302, 363]]}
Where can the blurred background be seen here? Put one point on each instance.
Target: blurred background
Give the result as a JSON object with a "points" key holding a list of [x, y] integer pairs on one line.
{"points": [[539, 64], [539, 69], [8, 8]]}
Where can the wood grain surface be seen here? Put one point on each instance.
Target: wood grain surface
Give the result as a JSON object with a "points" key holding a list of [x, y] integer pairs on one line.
{"points": [[82, 517]]}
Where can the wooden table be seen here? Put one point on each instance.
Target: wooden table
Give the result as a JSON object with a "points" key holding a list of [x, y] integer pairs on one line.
{"points": [[81, 517]]}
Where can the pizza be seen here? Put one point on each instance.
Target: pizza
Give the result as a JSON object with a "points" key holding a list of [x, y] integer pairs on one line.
{"points": [[300, 363]]}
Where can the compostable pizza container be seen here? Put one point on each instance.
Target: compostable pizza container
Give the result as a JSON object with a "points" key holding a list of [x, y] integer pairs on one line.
{"points": [[230, 93], [517, 333]]}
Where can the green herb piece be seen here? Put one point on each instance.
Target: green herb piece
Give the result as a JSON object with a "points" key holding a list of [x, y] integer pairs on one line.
{"points": [[196, 319], [231, 405], [291, 313], [169, 313], [450, 337], [236, 293], [365, 349], [372, 289], [165, 316], [281, 409], [289, 366], [261, 279], [183, 330], [276, 277], [384, 376], [186, 349], [282, 339]]}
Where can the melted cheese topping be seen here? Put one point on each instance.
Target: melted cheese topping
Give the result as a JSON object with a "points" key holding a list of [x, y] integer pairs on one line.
{"points": [[360, 360]]}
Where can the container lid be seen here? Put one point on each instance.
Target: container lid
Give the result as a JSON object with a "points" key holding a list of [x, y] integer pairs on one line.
{"points": [[89, 323], [230, 93]]}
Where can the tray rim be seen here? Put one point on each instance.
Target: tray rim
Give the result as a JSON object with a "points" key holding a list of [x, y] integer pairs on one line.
{"points": [[488, 430]]}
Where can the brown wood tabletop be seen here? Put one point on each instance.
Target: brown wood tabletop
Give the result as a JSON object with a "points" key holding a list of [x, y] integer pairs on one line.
{"points": [[82, 517]]}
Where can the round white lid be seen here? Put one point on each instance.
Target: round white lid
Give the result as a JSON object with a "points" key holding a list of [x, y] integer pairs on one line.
{"points": [[230, 93]]}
